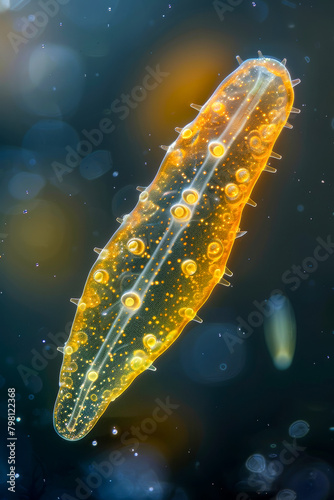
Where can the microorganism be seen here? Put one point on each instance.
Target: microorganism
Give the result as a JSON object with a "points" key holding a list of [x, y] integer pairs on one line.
{"points": [[169, 253]]}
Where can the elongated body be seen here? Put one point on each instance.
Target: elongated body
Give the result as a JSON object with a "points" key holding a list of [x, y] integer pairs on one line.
{"points": [[169, 253]]}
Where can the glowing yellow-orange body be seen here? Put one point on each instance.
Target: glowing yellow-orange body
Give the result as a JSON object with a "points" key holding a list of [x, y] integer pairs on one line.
{"points": [[169, 253]]}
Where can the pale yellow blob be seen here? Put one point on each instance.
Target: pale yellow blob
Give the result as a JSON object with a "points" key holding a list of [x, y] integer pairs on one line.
{"points": [[242, 175], [189, 267], [215, 250], [218, 107], [106, 394], [143, 196], [81, 337], [255, 143], [186, 133], [131, 300], [189, 313], [280, 331], [70, 348], [217, 273], [138, 360], [149, 341], [92, 376], [115, 392], [190, 196], [216, 149], [67, 382], [232, 191], [136, 246], [101, 276], [180, 212]]}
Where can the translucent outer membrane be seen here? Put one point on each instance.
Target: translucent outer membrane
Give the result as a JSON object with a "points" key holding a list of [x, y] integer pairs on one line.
{"points": [[169, 253]]}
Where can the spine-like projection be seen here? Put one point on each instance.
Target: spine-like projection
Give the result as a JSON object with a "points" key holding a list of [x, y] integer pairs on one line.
{"points": [[169, 253]]}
